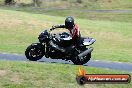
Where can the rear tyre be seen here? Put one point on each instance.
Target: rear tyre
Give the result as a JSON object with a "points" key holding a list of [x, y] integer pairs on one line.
{"points": [[34, 52], [82, 60]]}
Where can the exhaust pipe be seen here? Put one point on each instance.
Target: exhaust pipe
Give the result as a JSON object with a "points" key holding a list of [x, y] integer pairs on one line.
{"points": [[85, 52]]}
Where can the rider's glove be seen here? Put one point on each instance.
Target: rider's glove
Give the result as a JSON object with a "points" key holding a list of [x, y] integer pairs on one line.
{"points": [[53, 27]]}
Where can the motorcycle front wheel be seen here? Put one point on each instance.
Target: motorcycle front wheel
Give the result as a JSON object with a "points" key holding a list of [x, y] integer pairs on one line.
{"points": [[34, 52]]}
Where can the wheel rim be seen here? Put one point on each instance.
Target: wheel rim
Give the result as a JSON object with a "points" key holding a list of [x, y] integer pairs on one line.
{"points": [[35, 52]]}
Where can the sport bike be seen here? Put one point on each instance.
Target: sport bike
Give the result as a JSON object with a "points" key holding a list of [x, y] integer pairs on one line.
{"points": [[60, 46]]}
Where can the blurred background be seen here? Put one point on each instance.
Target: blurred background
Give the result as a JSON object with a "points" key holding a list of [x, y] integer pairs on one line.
{"points": [[21, 21], [76, 8], [108, 21]]}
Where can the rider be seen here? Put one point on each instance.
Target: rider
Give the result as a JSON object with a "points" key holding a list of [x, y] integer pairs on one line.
{"points": [[73, 29]]}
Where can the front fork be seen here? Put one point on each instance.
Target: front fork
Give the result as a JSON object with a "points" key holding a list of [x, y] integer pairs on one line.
{"points": [[46, 49]]}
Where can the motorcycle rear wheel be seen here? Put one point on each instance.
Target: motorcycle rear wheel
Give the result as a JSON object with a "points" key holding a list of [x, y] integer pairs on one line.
{"points": [[84, 60]]}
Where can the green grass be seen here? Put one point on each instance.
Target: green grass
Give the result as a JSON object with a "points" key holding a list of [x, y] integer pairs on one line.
{"points": [[20, 26], [86, 4], [80, 13], [70, 7], [76, 12], [19, 29], [46, 75]]}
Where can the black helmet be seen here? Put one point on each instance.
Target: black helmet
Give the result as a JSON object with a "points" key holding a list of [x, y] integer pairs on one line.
{"points": [[69, 22]]}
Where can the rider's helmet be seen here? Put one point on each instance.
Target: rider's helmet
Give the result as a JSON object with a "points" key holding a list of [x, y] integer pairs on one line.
{"points": [[69, 22]]}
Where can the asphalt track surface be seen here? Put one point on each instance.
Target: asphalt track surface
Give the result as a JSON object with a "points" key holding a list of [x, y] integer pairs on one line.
{"points": [[100, 11], [92, 63]]}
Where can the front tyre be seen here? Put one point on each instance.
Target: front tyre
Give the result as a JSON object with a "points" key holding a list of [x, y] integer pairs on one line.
{"points": [[82, 60], [34, 52]]}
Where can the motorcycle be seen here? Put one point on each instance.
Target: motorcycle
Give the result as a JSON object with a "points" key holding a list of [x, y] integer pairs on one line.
{"points": [[59, 46]]}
